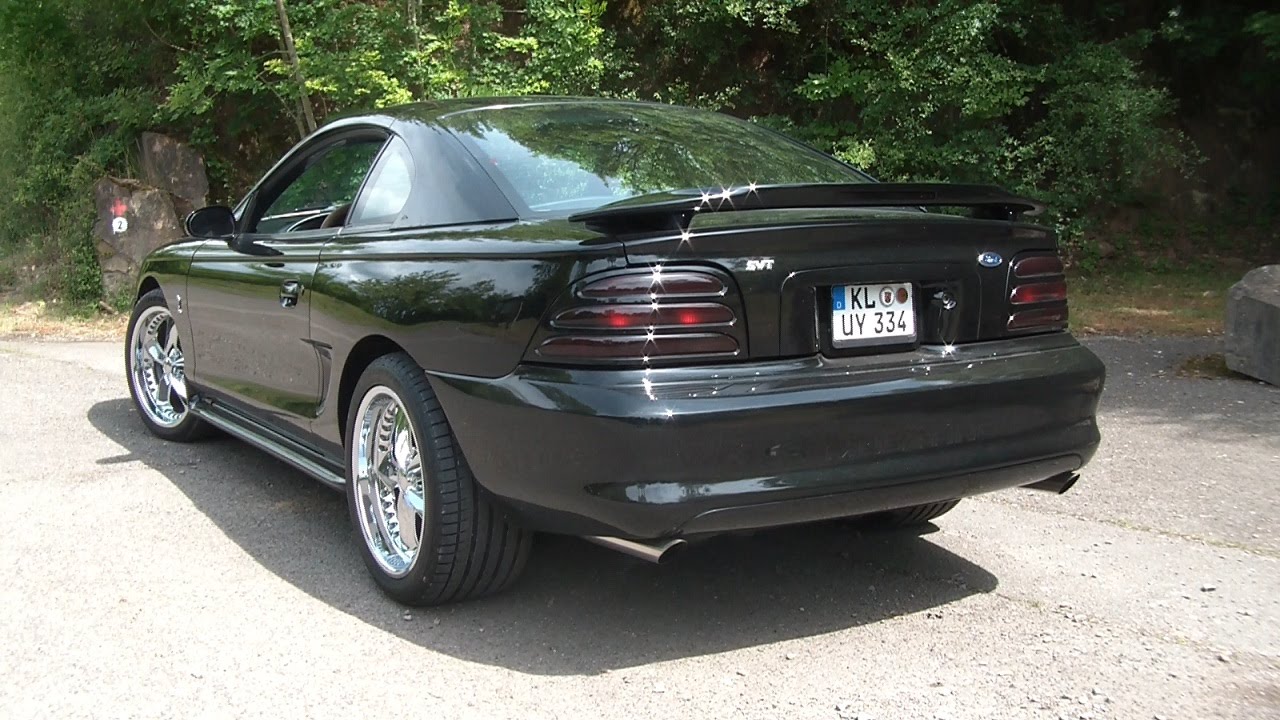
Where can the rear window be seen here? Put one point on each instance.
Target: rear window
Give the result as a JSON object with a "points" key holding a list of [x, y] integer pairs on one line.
{"points": [[563, 158]]}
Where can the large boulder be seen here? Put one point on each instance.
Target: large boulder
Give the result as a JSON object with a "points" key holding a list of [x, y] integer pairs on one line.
{"points": [[175, 168], [133, 219], [1253, 325]]}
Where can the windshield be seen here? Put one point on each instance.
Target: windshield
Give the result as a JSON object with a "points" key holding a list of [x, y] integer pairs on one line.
{"points": [[560, 158]]}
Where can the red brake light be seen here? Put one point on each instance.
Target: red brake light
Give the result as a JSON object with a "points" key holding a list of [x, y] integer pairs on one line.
{"points": [[652, 315], [1039, 292]]}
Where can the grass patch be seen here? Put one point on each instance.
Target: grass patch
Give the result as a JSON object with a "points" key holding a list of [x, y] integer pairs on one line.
{"points": [[1190, 301], [53, 321], [1206, 367]]}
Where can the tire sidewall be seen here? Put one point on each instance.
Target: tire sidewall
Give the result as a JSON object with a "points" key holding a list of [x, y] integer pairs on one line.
{"points": [[381, 373]]}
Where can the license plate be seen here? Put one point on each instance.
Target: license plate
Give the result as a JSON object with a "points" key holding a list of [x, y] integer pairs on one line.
{"points": [[878, 314]]}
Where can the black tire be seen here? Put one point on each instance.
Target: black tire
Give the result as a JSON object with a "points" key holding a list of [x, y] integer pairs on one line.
{"points": [[914, 515], [468, 547], [190, 428]]}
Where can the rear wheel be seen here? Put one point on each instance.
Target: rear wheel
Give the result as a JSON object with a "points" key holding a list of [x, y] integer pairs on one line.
{"points": [[429, 536], [914, 515]]}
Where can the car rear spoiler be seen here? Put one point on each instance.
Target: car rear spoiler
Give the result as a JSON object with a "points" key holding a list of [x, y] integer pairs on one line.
{"points": [[674, 210]]}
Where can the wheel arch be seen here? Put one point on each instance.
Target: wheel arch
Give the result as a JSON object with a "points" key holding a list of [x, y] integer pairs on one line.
{"points": [[146, 285], [362, 355]]}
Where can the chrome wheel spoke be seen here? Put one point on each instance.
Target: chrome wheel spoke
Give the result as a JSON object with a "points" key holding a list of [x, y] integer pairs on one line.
{"points": [[408, 520], [178, 384], [374, 505], [178, 388], [413, 501]]}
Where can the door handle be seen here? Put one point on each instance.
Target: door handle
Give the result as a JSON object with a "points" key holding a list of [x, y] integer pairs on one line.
{"points": [[290, 291]]}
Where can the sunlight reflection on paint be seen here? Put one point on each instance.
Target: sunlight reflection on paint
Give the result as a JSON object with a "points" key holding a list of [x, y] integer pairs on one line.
{"points": [[686, 238]]}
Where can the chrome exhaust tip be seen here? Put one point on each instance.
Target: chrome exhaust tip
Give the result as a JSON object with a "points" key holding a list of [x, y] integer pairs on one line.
{"points": [[656, 552], [1057, 484]]}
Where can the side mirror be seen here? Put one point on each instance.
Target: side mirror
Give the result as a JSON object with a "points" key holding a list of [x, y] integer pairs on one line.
{"points": [[215, 222]]}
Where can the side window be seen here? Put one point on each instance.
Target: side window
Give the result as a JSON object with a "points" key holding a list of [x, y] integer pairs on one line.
{"points": [[327, 185], [387, 191]]}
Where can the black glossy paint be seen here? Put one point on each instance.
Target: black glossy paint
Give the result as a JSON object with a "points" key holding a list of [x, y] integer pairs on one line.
{"points": [[277, 328], [646, 454]]}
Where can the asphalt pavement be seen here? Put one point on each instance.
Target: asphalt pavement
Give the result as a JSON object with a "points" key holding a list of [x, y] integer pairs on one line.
{"points": [[147, 579]]}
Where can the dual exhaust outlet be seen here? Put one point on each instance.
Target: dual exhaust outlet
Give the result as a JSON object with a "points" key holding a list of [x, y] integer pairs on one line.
{"points": [[660, 551]]}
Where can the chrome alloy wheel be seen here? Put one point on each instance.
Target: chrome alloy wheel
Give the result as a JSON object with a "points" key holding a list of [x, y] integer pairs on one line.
{"points": [[389, 488], [157, 368]]}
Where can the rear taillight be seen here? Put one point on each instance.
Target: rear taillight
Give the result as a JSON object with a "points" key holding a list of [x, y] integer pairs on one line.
{"points": [[1037, 294], [642, 318]]}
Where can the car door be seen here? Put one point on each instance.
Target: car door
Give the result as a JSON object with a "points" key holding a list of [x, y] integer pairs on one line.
{"points": [[248, 296]]}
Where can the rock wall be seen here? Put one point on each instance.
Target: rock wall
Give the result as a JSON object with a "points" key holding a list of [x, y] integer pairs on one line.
{"points": [[135, 217], [175, 168]]}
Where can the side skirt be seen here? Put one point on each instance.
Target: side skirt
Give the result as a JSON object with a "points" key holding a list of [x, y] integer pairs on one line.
{"points": [[269, 441]]}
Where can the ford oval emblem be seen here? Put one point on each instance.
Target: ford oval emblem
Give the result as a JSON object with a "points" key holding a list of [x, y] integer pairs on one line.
{"points": [[990, 259]]}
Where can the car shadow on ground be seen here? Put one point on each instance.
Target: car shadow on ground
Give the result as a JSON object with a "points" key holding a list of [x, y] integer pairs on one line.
{"points": [[580, 609]]}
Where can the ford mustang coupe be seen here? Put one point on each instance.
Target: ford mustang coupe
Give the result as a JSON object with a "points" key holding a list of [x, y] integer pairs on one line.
{"points": [[631, 322]]}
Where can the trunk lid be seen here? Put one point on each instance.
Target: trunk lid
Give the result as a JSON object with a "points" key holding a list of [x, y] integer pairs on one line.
{"points": [[785, 263]]}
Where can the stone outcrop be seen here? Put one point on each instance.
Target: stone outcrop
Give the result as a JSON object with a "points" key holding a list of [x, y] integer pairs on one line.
{"points": [[137, 216], [175, 168], [1253, 325], [133, 219]]}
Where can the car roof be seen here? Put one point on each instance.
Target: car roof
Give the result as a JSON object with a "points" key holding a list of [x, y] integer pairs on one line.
{"points": [[430, 112]]}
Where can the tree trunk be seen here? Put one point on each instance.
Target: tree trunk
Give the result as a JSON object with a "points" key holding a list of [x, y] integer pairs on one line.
{"points": [[304, 100], [415, 9]]}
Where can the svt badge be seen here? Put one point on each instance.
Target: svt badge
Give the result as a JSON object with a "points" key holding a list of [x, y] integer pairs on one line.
{"points": [[990, 259]]}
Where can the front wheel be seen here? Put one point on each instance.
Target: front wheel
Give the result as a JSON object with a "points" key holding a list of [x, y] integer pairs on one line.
{"points": [[157, 371], [429, 535]]}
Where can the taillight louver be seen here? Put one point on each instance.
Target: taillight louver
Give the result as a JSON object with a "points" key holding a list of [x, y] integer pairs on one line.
{"points": [[655, 283], [633, 347], [643, 318], [1036, 266], [1037, 294]]}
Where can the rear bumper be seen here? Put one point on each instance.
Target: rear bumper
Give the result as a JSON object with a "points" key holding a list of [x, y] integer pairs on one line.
{"points": [[695, 450]]}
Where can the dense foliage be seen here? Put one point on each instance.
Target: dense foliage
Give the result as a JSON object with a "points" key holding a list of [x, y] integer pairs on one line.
{"points": [[1089, 105]]}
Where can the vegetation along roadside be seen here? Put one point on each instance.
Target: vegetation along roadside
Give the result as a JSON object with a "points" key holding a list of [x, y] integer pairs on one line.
{"points": [[1149, 128]]}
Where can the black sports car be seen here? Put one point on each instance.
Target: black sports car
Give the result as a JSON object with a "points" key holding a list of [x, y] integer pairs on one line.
{"points": [[636, 323]]}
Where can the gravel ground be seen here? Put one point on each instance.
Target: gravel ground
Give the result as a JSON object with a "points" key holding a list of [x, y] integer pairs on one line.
{"points": [[153, 580]]}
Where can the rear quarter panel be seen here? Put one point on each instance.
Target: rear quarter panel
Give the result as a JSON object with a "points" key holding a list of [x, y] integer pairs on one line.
{"points": [[462, 301]]}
